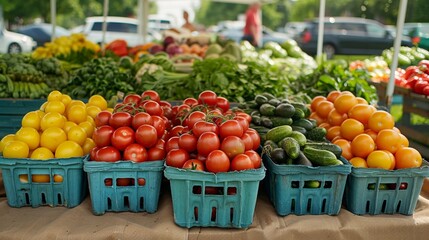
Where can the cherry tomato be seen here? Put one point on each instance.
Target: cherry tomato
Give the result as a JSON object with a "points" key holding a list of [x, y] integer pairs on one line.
{"points": [[176, 157], [254, 156], [202, 126], [217, 161], [155, 154], [241, 162], [232, 146], [102, 135], [150, 94], [153, 108], [190, 102], [159, 125], [248, 141], [188, 142], [132, 98], [108, 154], [230, 128], [195, 117], [140, 119], [207, 142], [222, 103], [122, 137], [146, 136], [120, 119], [135, 152], [207, 97], [172, 143], [255, 137], [102, 118], [194, 164]]}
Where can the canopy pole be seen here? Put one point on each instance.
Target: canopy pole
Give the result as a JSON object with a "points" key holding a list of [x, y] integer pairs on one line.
{"points": [[145, 19], [399, 27], [140, 17], [53, 18], [104, 25], [321, 29]]}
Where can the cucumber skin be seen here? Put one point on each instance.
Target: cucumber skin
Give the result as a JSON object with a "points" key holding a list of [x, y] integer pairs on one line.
{"points": [[321, 157], [278, 133]]}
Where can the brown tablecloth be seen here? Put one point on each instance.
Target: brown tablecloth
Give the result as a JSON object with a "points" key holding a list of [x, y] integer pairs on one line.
{"points": [[80, 223]]}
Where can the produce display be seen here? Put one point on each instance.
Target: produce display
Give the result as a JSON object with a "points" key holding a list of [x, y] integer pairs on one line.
{"points": [[407, 55], [367, 136]]}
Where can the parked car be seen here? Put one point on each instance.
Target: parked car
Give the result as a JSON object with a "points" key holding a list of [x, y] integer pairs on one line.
{"points": [[42, 32], [294, 28], [117, 28], [11, 42], [348, 35], [233, 30], [418, 32]]}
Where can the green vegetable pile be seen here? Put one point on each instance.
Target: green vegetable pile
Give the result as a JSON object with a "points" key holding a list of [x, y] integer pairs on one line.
{"points": [[407, 56]]}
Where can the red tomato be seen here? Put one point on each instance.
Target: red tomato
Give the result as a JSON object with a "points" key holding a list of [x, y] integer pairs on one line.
{"points": [[207, 142], [108, 154], [222, 103], [419, 86], [176, 131], [93, 153], [426, 91], [232, 146], [102, 135], [120, 119], [135, 152], [194, 164], [150, 94], [124, 107], [177, 157], [202, 126], [155, 154], [102, 118], [241, 162], [108, 182], [153, 108], [248, 141], [132, 98], [160, 144], [243, 122], [165, 104], [255, 137], [207, 97], [195, 117], [122, 137], [190, 102], [140, 119], [159, 125], [188, 142], [230, 128], [217, 161], [201, 157], [254, 156], [146, 136], [123, 182], [168, 112], [245, 115], [172, 143]]}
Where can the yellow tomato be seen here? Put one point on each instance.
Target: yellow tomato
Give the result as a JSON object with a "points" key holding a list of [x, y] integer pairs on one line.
{"points": [[68, 149], [68, 125], [52, 137], [42, 153], [109, 110], [28, 135], [77, 114], [58, 178], [97, 100], [73, 103], [88, 145], [42, 107], [92, 111], [88, 127], [5, 140], [91, 120], [55, 106], [31, 119], [66, 99], [16, 149], [55, 95], [77, 134], [52, 119], [40, 178]]}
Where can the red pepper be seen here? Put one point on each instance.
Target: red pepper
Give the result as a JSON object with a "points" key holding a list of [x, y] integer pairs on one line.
{"points": [[119, 47], [419, 86], [411, 70]]}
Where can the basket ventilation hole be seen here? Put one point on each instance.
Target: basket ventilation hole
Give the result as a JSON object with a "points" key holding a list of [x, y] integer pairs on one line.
{"points": [[43, 198], [231, 214], [109, 203], [295, 184], [141, 203], [367, 206], [398, 207], [383, 207], [214, 213], [213, 191], [196, 189], [123, 182], [60, 199], [196, 213], [27, 199], [328, 184], [324, 205], [126, 202], [108, 182], [232, 191], [309, 205], [292, 206]]}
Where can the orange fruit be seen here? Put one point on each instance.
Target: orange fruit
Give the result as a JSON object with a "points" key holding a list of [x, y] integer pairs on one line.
{"points": [[379, 159], [325, 125], [346, 147], [333, 132], [404, 141], [388, 139], [380, 120], [361, 112], [58, 178], [361, 100], [346, 92], [408, 157], [371, 133], [396, 129], [344, 103], [315, 101], [316, 117], [323, 108], [335, 118], [362, 145], [336, 138], [333, 95], [358, 162], [392, 158], [350, 128]]}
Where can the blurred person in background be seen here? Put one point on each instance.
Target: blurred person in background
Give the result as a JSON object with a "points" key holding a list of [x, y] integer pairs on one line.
{"points": [[187, 25], [252, 27]]}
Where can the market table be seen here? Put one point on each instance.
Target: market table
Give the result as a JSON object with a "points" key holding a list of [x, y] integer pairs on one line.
{"points": [[80, 223]]}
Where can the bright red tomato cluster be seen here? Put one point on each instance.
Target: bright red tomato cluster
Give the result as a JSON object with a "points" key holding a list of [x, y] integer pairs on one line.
{"points": [[414, 77], [208, 136], [135, 131]]}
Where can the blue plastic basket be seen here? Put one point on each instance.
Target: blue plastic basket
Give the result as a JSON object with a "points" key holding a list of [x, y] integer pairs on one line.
{"points": [[142, 194], [288, 191], [22, 192], [204, 199], [377, 191]]}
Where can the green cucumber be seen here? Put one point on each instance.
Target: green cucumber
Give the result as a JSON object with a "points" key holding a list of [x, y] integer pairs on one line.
{"points": [[303, 160], [269, 96], [285, 110], [299, 129], [303, 107], [279, 121], [299, 114], [278, 133], [321, 157], [275, 102], [266, 122], [335, 149], [278, 155], [305, 123], [299, 137], [317, 134], [267, 109], [291, 147], [259, 100]]}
